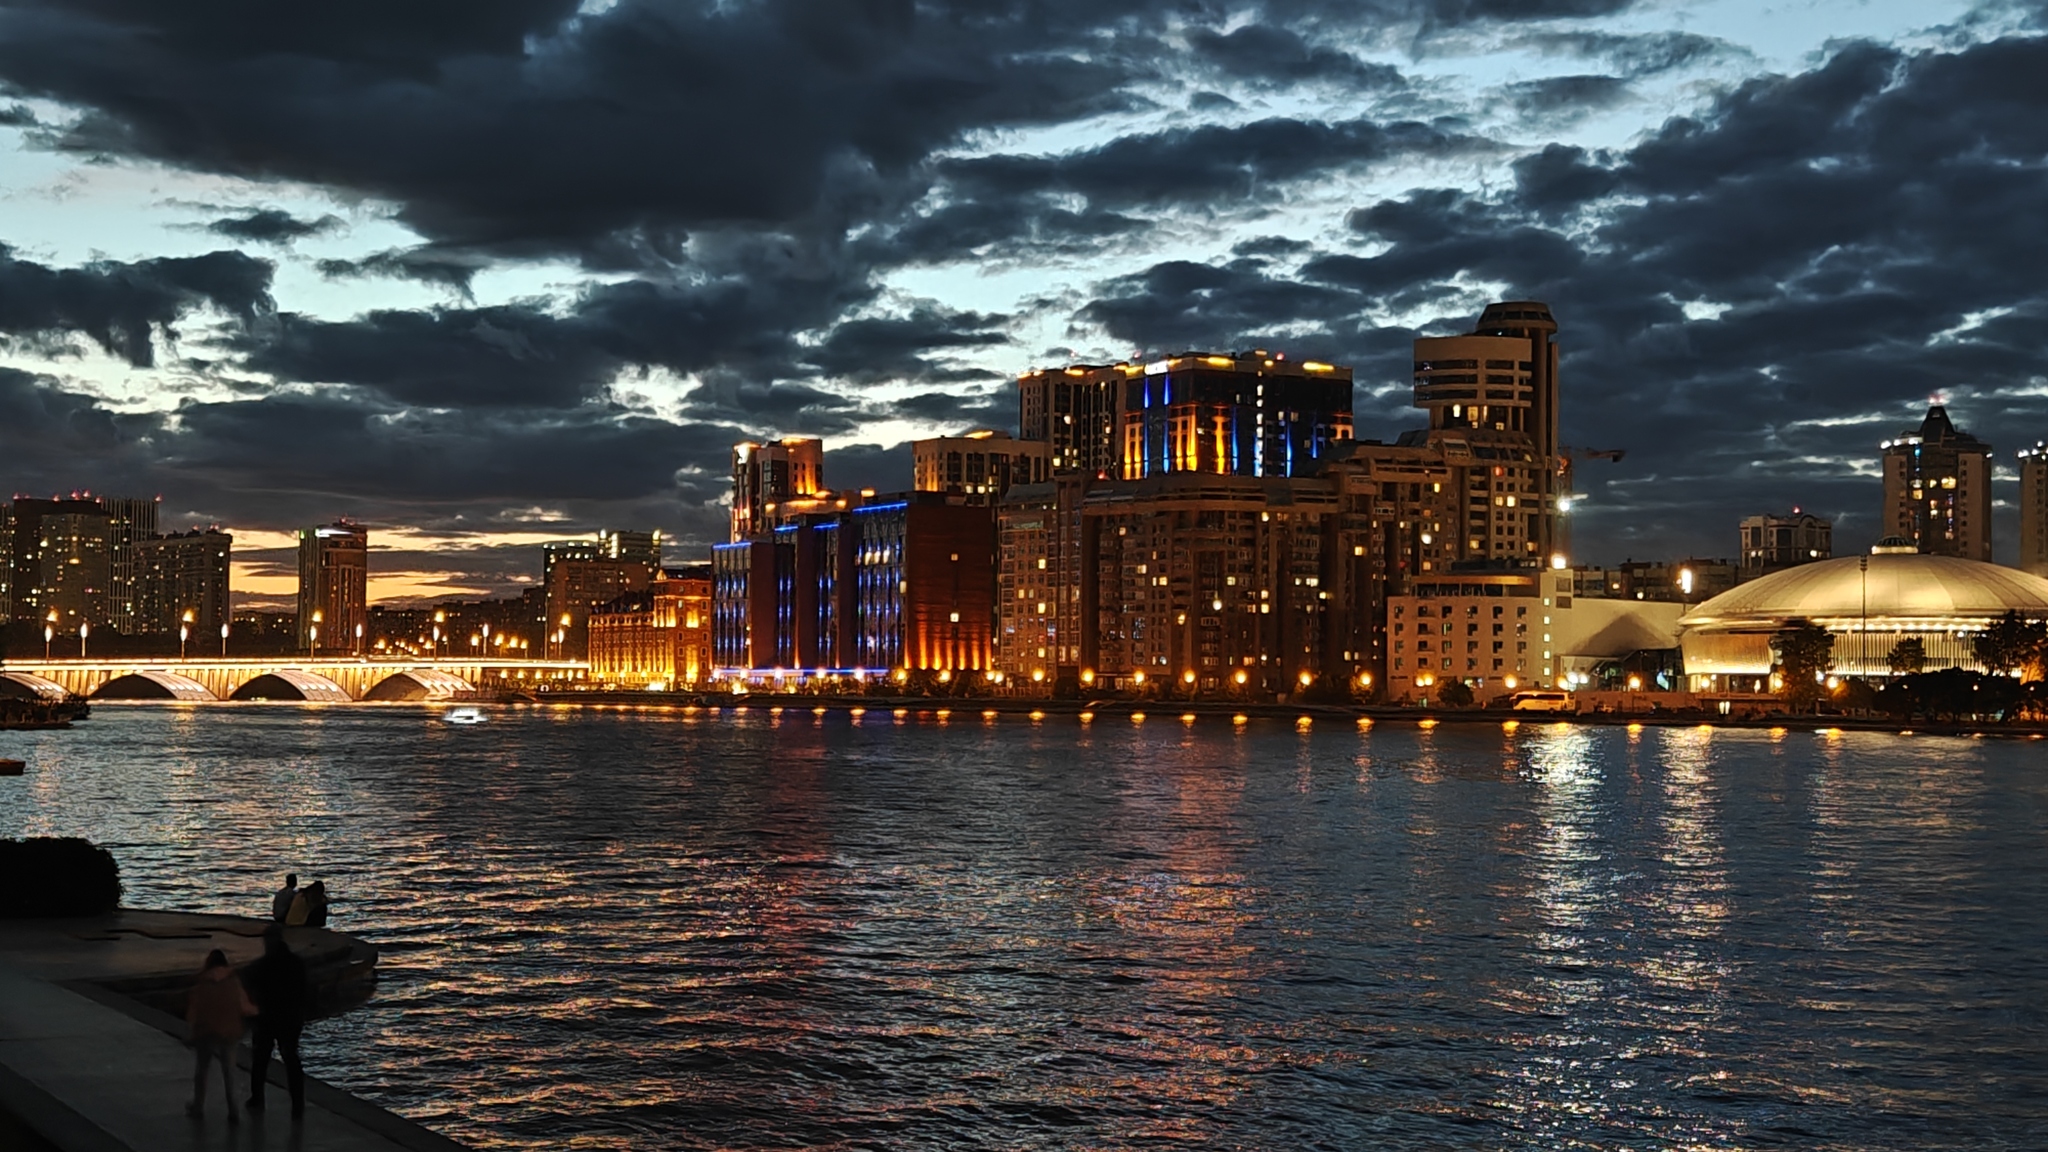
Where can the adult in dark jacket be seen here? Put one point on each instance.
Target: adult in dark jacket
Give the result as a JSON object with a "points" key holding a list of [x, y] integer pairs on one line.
{"points": [[284, 998]]}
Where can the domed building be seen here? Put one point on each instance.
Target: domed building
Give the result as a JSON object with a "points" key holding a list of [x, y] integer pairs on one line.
{"points": [[1869, 602]]}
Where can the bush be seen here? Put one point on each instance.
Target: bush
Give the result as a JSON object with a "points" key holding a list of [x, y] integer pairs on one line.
{"points": [[1455, 694], [48, 876]]}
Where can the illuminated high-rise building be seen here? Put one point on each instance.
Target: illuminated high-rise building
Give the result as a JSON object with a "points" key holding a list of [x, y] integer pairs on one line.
{"points": [[980, 466], [334, 572], [1249, 414], [2034, 509], [1245, 414], [766, 475], [181, 581], [1492, 401], [1937, 489], [129, 522], [60, 558], [1078, 411]]}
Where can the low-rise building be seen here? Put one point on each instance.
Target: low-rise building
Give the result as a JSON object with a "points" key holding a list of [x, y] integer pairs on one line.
{"points": [[658, 639]]}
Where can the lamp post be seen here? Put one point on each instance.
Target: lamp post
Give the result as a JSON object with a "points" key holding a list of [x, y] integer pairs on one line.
{"points": [[84, 630], [1863, 627], [49, 634], [184, 632], [223, 641]]}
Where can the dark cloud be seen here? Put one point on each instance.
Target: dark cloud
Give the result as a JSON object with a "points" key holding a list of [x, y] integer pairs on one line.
{"points": [[877, 350], [1636, 55], [18, 116], [272, 226], [126, 307], [1568, 94], [447, 270], [1750, 298], [1264, 53], [1011, 206]]}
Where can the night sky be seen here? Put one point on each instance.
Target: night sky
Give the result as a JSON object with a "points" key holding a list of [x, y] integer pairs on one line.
{"points": [[482, 273]]}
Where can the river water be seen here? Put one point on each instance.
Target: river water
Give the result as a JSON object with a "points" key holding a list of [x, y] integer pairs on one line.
{"points": [[650, 929]]}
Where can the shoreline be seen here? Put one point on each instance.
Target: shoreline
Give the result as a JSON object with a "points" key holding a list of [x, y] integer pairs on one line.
{"points": [[1213, 710]]}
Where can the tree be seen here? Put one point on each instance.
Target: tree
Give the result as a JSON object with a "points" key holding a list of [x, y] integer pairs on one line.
{"points": [[1805, 652], [1909, 657], [1455, 694], [2012, 643]]}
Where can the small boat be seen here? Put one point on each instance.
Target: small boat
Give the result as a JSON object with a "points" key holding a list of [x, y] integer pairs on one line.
{"points": [[11, 767], [463, 716]]}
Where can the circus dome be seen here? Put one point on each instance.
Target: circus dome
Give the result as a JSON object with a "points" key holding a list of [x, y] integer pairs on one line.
{"points": [[1870, 603]]}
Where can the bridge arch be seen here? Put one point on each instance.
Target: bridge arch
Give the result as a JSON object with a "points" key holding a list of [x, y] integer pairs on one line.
{"points": [[421, 684], [29, 686], [292, 684], [153, 684]]}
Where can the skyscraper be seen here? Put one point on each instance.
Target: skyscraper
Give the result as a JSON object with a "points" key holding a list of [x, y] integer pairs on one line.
{"points": [[129, 521], [1937, 489], [2034, 508], [764, 475], [1248, 414], [59, 560], [181, 581], [1492, 401], [334, 570], [1078, 410], [980, 466]]}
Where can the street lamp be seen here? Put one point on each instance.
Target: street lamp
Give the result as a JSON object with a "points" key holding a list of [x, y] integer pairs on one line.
{"points": [[49, 634], [184, 632], [84, 630], [223, 641]]}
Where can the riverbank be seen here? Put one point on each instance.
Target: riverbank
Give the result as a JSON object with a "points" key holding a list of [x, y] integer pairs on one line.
{"points": [[965, 707], [92, 1053]]}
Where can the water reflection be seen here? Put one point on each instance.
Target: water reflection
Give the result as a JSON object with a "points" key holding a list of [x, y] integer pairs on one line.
{"points": [[741, 930]]}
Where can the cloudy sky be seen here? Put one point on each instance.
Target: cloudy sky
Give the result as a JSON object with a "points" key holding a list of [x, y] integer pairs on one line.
{"points": [[483, 273]]}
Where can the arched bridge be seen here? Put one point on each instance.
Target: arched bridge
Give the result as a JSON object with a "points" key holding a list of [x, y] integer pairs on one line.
{"points": [[315, 680]]}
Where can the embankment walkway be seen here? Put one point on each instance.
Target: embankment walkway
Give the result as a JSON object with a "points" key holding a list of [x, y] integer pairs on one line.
{"points": [[86, 1069]]}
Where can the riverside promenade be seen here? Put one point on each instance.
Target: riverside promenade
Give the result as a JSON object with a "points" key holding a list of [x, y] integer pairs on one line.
{"points": [[92, 1057]]}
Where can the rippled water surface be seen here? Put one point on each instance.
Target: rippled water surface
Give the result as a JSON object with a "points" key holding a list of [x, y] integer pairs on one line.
{"points": [[671, 930]]}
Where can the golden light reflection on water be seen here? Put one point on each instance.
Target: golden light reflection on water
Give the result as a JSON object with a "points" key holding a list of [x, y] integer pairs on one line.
{"points": [[653, 930]]}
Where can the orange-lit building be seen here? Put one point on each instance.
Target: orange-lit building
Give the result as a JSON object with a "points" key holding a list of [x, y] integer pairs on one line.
{"points": [[980, 466], [765, 475], [659, 639]]}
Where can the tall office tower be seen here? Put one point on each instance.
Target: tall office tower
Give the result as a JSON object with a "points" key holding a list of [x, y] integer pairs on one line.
{"points": [[58, 562], [181, 581], [1937, 489], [2034, 508], [1250, 414], [1492, 401], [765, 475], [1078, 410], [980, 466], [73, 554], [1772, 543], [334, 572], [635, 547], [129, 521], [6, 566]]}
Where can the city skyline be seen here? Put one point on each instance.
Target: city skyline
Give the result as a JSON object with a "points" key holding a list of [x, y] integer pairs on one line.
{"points": [[1728, 205]]}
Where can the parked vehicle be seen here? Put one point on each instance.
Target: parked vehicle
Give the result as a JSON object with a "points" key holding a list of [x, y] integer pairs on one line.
{"points": [[1544, 701]]}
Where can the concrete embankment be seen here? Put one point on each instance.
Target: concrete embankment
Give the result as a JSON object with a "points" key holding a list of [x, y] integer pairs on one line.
{"points": [[92, 1056]]}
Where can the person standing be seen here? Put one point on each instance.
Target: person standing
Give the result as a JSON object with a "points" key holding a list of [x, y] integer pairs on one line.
{"points": [[215, 1010], [316, 904], [281, 904], [277, 983]]}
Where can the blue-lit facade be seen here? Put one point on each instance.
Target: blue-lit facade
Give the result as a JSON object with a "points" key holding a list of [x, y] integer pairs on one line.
{"points": [[1248, 415], [899, 585]]}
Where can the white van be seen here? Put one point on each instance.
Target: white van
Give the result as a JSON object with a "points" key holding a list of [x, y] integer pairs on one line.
{"points": [[1545, 702]]}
